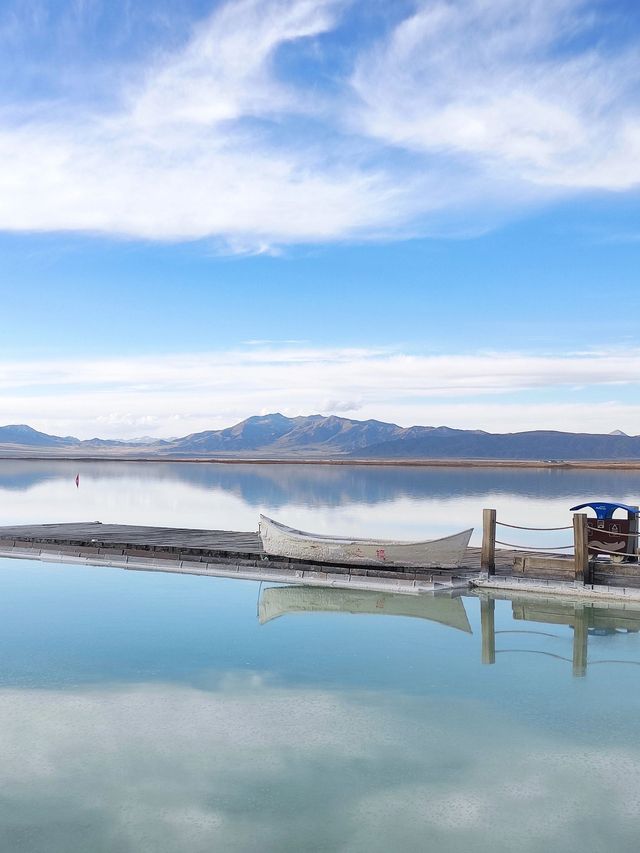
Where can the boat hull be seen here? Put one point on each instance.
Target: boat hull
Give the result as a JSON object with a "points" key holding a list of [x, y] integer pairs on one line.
{"points": [[281, 541]]}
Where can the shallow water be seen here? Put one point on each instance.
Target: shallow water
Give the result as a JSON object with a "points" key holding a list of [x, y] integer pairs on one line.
{"points": [[152, 712]]}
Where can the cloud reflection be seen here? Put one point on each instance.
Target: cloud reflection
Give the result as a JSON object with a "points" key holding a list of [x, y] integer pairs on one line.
{"points": [[404, 503], [258, 766]]}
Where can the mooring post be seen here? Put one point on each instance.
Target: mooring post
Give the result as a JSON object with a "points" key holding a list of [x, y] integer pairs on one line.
{"points": [[488, 626], [581, 547], [632, 539], [488, 556], [580, 640]]}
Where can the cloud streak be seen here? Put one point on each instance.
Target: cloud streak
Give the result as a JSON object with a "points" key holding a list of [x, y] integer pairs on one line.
{"points": [[461, 106], [172, 394], [495, 85]]}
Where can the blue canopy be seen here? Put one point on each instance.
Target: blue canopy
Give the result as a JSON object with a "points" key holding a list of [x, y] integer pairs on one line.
{"points": [[605, 510]]}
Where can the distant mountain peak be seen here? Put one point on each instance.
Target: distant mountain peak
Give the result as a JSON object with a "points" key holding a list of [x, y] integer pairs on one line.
{"points": [[25, 435], [316, 436], [618, 432], [21, 428]]}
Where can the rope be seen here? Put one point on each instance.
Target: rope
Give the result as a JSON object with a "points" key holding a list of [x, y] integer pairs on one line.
{"points": [[531, 547], [533, 652], [561, 657], [609, 532], [517, 527], [522, 631], [615, 553]]}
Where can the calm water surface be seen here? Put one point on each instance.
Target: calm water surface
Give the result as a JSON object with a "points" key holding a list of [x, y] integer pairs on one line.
{"points": [[383, 501], [144, 712]]}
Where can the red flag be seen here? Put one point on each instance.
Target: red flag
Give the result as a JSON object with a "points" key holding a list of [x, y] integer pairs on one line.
{"points": [[77, 480]]}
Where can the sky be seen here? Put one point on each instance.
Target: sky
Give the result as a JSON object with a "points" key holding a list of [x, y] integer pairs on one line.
{"points": [[421, 211]]}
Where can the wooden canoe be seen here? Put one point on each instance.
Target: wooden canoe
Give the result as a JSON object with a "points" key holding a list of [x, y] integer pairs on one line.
{"points": [[282, 541]]}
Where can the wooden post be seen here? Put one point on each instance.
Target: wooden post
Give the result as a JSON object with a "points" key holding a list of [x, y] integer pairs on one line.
{"points": [[580, 640], [488, 556], [581, 547], [488, 625], [632, 539]]}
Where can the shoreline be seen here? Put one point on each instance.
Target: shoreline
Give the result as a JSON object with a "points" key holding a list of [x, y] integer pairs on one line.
{"points": [[578, 464]]}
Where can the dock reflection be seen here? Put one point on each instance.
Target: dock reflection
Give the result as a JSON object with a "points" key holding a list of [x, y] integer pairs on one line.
{"points": [[592, 624], [587, 619]]}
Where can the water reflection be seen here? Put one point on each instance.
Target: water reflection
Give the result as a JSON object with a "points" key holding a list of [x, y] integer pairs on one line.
{"points": [[586, 620], [253, 766], [322, 485], [279, 601], [156, 713], [403, 503]]}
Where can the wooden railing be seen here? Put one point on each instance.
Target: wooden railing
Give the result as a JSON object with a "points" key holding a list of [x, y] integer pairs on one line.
{"points": [[581, 526]]}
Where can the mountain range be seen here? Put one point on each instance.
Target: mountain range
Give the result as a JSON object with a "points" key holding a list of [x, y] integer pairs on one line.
{"points": [[316, 436]]}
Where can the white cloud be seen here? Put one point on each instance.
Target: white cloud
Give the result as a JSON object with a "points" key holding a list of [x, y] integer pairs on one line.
{"points": [[224, 72], [216, 140], [498, 86], [177, 162], [174, 394]]}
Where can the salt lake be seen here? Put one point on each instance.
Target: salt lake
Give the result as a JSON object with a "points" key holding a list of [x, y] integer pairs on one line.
{"points": [[159, 712]]}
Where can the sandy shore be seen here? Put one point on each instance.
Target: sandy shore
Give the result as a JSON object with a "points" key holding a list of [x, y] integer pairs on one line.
{"points": [[604, 464]]}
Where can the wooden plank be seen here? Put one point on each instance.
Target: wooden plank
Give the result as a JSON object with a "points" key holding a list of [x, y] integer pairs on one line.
{"points": [[488, 557], [619, 569], [581, 547], [537, 566], [632, 541]]}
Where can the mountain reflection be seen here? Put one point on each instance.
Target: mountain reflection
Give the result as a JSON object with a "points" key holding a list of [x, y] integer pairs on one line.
{"points": [[328, 485]]}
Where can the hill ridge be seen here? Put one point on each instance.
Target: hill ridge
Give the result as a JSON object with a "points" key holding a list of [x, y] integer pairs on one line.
{"points": [[332, 436]]}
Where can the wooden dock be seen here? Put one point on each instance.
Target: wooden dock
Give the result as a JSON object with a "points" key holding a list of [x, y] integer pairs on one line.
{"points": [[216, 552], [231, 553]]}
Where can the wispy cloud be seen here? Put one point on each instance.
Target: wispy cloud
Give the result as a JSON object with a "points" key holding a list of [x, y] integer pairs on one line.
{"points": [[175, 394], [518, 91], [461, 106], [181, 159]]}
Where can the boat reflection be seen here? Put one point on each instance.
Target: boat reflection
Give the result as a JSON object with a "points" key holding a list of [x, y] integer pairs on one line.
{"points": [[587, 619], [443, 608], [591, 624]]}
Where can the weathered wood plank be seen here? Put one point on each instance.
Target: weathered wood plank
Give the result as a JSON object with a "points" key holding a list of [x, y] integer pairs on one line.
{"points": [[488, 557], [581, 547], [245, 547], [182, 544]]}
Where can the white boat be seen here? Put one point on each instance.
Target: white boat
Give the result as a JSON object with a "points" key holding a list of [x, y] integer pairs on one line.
{"points": [[277, 601], [282, 541]]}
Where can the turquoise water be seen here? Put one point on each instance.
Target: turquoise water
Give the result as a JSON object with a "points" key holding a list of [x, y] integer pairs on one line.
{"points": [[155, 712]]}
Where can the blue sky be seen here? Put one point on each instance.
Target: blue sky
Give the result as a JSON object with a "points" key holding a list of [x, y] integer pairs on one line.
{"points": [[425, 212]]}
